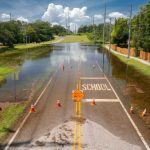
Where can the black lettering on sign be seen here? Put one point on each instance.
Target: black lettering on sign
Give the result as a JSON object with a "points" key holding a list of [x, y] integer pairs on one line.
{"points": [[95, 87]]}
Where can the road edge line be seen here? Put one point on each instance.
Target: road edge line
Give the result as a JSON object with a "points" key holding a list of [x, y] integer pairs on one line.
{"points": [[27, 116], [125, 110]]}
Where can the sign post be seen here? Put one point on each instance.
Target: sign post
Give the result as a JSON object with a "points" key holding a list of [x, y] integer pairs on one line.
{"points": [[77, 96]]}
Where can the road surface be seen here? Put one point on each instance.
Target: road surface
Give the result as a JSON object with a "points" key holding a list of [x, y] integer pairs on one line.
{"points": [[104, 126]]}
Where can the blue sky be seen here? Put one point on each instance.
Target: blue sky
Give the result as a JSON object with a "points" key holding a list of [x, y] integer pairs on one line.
{"points": [[35, 9]]}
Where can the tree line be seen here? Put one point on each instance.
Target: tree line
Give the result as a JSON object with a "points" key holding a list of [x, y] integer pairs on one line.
{"points": [[140, 30], [95, 32], [14, 32]]}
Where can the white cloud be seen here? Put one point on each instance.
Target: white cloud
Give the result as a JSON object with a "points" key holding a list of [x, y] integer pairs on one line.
{"points": [[5, 16], [22, 19], [116, 15], [98, 16], [53, 13], [59, 14]]}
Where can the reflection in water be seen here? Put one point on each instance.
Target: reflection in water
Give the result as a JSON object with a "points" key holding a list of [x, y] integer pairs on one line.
{"points": [[131, 85], [36, 67]]}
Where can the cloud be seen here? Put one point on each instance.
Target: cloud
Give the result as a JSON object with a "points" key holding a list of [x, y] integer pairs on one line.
{"points": [[59, 14], [53, 13], [5, 16], [116, 15], [99, 17], [22, 19]]}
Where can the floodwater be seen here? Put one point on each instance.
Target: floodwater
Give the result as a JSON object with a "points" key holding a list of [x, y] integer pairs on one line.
{"points": [[35, 67]]}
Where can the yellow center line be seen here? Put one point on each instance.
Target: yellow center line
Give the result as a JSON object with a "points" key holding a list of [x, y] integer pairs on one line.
{"points": [[79, 134], [75, 127]]}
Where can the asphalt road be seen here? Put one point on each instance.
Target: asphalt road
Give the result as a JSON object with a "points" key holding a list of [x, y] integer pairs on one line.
{"points": [[105, 125]]}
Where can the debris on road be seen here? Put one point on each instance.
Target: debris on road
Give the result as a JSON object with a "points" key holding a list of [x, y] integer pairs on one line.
{"points": [[62, 137]]}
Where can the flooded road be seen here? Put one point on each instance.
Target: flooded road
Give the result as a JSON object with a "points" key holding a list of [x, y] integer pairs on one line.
{"points": [[35, 67], [68, 124]]}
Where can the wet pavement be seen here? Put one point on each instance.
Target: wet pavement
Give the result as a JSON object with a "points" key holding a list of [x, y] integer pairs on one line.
{"points": [[106, 125]]}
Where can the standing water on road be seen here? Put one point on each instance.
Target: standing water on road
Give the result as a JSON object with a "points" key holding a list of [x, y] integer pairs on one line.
{"points": [[35, 67]]}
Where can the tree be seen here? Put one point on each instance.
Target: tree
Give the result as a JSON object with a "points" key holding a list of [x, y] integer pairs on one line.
{"points": [[10, 33], [144, 16], [31, 33], [120, 32], [59, 30], [94, 32]]}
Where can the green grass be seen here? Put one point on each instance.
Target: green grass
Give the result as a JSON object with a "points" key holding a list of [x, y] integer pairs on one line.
{"points": [[33, 45], [8, 118], [1, 46], [75, 38], [2, 78], [4, 71], [140, 67]]}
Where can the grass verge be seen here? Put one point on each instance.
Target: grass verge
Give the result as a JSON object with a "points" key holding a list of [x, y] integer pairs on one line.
{"points": [[144, 69], [75, 38], [5, 71], [8, 118], [140, 67], [33, 45]]}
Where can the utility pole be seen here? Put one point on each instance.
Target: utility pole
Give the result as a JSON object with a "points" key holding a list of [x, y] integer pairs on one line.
{"points": [[66, 24], [104, 26], [10, 16], [75, 28], [129, 36], [110, 35], [68, 21], [94, 29]]}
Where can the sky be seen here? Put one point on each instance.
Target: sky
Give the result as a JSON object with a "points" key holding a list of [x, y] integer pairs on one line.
{"points": [[80, 12]]}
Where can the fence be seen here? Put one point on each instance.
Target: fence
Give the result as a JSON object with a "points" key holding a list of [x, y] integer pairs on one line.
{"points": [[142, 55]]}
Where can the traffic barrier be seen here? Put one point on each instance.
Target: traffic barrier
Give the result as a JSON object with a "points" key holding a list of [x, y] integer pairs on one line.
{"points": [[32, 109], [93, 103], [58, 103], [131, 110], [143, 113]]}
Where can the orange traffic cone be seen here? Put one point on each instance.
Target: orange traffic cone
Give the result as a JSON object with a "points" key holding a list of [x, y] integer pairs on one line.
{"points": [[32, 109], [143, 113], [58, 103], [131, 110], [93, 103]]}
